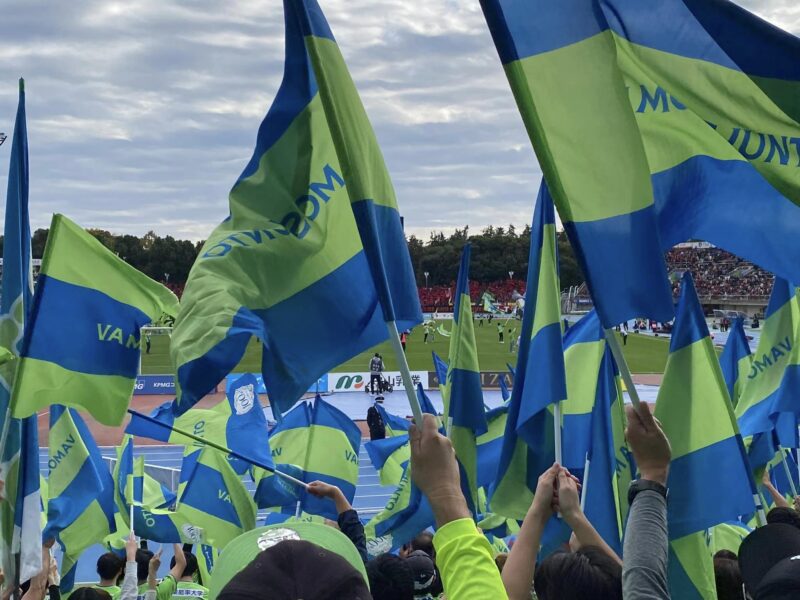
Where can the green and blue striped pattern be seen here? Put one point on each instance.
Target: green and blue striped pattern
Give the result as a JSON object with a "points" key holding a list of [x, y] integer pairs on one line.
{"points": [[736, 360], [770, 389], [584, 352], [80, 508], [529, 444], [561, 62], [81, 347], [237, 423], [20, 527], [320, 443], [709, 478], [464, 414], [214, 501], [715, 93], [313, 217]]}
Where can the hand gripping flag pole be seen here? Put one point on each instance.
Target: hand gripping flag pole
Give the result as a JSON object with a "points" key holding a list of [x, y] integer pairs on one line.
{"points": [[221, 448]]}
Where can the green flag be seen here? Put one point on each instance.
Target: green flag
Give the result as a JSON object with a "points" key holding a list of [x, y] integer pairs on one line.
{"points": [[82, 344]]}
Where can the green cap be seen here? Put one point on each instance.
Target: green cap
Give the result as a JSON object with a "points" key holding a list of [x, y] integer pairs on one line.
{"points": [[241, 551]]}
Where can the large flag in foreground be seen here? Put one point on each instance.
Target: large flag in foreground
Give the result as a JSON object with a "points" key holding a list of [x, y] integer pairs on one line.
{"points": [[237, 423], [82, 345], [312, 217], [736, 360], [20, 525], [561, 62], [713, 92], [464, 416], [709, 479], [529, 442]]}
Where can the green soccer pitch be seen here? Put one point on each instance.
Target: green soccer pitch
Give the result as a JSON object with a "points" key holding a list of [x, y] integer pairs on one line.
{"points": [[644, 354]]}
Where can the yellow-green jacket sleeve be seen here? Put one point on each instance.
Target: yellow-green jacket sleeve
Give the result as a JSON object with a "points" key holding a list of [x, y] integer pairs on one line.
{"points": [[466, 563]]}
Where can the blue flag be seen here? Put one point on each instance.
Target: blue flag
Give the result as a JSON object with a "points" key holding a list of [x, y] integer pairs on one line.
{"points": [[237, 423], [313, 216], [529, 442], [602, 504], [20, 523], [735, 360], [317, 442], [504, 389]]}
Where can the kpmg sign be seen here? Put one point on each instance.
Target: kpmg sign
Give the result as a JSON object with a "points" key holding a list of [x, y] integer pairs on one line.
{"points": [[154, 385]]}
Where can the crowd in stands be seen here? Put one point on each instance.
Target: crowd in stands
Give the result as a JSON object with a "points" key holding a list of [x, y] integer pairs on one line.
{"points": [[439, 298], [312, 561], [718, 273]]}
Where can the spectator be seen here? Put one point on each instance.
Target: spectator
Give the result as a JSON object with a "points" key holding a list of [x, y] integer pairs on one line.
{"points": [[784, 514], [290, 560], [592, 572], [500, 560], [644, 573], [423, 541], [424, 575], [348, 521], [147, 565], [186, 586], [768, 562], [109, 569], [390, 578], [463, 555], [728, 578]]}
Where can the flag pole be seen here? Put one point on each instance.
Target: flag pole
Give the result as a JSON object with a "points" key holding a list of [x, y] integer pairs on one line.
{"points": [[557, 430], [586, 466], [221, 448], [405, 372], [624, 371], [788, 472]]}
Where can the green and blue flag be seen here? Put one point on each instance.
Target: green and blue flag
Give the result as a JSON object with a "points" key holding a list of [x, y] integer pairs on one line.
{"points": [[394, 424], [529, 441], [81, 347], [313, 216], [237, 423], [561, 62], [714, 92], [319, 442], [736, 360], [768, 399], [80, 507], [464, 414], [20, 524], [709, 479], [214, 505]]}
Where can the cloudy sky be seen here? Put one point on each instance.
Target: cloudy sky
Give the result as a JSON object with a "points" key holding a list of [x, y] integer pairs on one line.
{"points": [[142, 113]]}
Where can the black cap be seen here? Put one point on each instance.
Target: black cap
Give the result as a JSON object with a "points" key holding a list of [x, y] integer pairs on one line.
{"points": [[295, 569], [769, 559], [423, 571]]}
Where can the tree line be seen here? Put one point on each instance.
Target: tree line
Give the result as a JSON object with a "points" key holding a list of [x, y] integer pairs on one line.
{"points": [[495, 252]]}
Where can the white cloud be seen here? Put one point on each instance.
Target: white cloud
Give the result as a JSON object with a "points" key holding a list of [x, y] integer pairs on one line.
{"points": [[142, 113]]}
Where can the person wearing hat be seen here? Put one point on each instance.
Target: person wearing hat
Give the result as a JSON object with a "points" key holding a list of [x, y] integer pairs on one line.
{"points": [[423, 571], [290, 561], [769, 560]]}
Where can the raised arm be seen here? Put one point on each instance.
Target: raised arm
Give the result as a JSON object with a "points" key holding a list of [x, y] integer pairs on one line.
{"points": [[644, 572], [521, 562], [463, 554]]}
